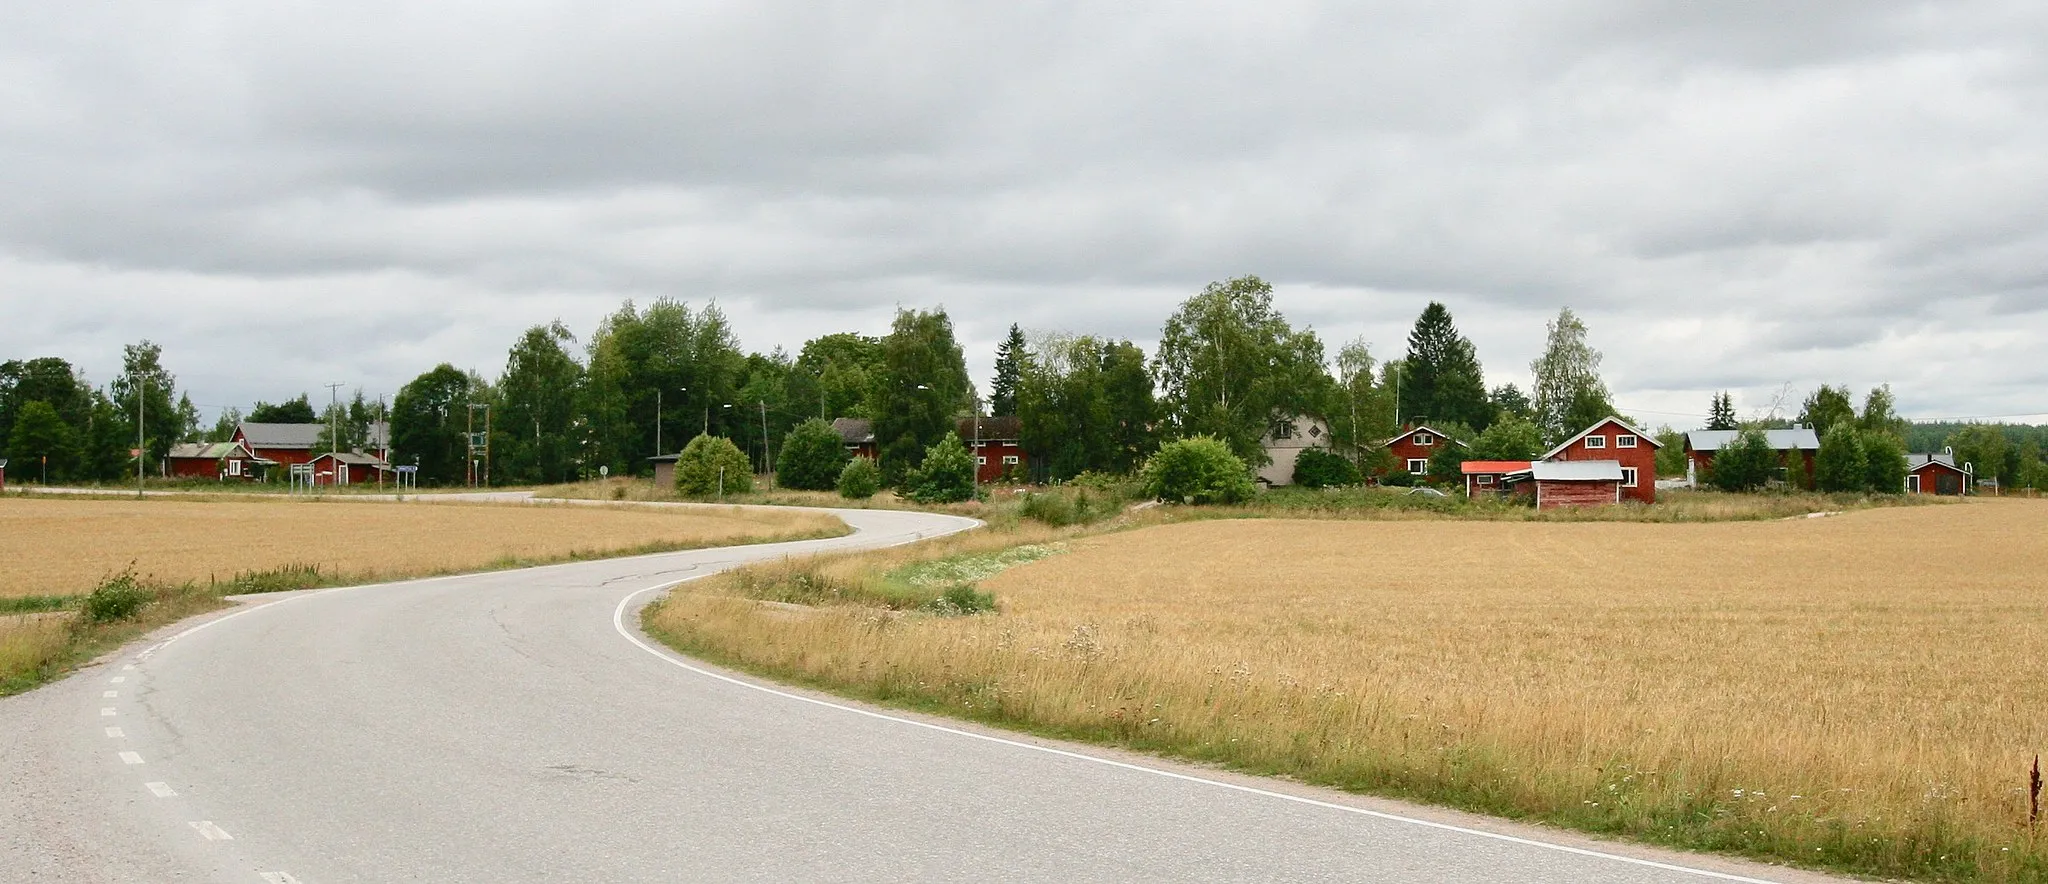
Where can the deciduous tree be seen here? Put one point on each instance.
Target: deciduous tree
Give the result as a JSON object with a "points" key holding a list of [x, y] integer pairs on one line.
{"points": [[1229, 364], [1570, 396], [922, 390], [1825, 407]]}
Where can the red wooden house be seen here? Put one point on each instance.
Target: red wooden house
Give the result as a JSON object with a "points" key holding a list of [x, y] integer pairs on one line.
{"points": [[1490, 476], [294, 443], [1701, 446], [1633, 453], [994, 443], [858, 434], [1411, 449], [348, 468]]}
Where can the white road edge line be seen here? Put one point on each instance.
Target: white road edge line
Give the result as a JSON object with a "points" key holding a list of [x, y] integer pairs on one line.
{"points": [[210, 831], [619, 624], [109, 695], [160, 790]]}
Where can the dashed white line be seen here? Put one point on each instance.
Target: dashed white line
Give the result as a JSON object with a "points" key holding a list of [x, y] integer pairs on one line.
{"points": [[131, 758], [117, 679], [106, 712], [127, 667], [211, 831], [115, 732], [279, 878], [160, 790], [110, 694]]}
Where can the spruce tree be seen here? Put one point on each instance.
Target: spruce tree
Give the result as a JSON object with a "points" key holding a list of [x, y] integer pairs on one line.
{"points": [[1722, 414], [1442, 380], [1010, 356]]}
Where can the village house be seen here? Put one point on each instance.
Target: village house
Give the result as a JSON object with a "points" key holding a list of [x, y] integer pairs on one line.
{"points": [[294, 443], [212, 460], [994, 442], [1937, 474], [1490, 476], [1411, 449], [858, 434], [1701, 445], [349, 468], [1284, 442], [1608, 462]]}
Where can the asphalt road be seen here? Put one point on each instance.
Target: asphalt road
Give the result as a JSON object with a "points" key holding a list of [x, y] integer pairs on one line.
{"points": [[514, 727]]}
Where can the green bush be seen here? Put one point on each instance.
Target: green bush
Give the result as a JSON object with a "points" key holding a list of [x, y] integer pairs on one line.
{"points": [[1885, 461], [1841, 464], [945, 476], [1746, 463], [812, 456], [1200, 469], [1319, 468], [118, 597], [859, 479], [1398, 479], [698, 468], [961, 599]]}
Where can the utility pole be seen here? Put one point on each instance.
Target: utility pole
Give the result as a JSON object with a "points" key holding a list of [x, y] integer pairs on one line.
{"points": [[767, 463], [140, 451], [657, 423]]}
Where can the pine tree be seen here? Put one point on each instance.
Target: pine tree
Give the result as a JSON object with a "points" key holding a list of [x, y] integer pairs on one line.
{"points": [[1010, 356]]}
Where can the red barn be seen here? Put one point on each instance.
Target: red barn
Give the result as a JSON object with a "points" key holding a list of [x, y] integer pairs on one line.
{"points": [[1633, 452], [1562, 483], [1411, 449], [1701, 446], [1936, 474], [211, 460], [294, 443], [994, 444], [1489, 476], [348, 468]]}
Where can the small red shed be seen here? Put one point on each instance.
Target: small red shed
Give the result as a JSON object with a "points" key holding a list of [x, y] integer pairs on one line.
{"points": [[347, 468], [1633, 452], [1562, 483], [210, 460], [1489, 476], [1937, 474]]}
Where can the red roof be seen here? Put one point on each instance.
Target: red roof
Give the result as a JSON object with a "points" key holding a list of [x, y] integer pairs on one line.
{"points": [[1474, 467]]}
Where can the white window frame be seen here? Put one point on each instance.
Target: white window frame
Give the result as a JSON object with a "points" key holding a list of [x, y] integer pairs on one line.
{"points": [[1424, 439], [1628, 477], [980, 461], [1009, 460], [1596, 441], [1414, 469], [1625, 440], [1485, 480], [234, 468]]}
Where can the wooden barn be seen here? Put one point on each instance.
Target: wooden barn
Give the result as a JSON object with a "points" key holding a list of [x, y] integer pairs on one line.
{"points": [[212, 460], [294, 443], [1562, 483], [1411, 449], [995, 444], [1937, 474], [1632, 451]]}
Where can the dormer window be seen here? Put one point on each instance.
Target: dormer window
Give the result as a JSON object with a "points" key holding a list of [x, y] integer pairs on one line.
{"points": [[1424, 439], [1596, 441]]}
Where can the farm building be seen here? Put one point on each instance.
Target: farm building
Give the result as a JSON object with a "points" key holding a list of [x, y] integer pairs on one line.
{"points": [[349, 468], [213, 460], [1700, 446], [665, 470], [1562, 483], [1937, 474], [994, 441], [294, 443], [1411, 449], [858, 434], [1284, 441], [1490, 476], [1632, 451]]}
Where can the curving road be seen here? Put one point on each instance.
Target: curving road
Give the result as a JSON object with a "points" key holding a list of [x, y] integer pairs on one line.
{"points": [[514, 727]]}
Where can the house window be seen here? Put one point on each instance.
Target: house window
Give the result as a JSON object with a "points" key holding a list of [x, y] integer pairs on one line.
{"points": [[1424, 439], [1596, 441], [981, 461], [1485, 480], [1418, 465], [1009, 459], [234, 468], [1624, 441], [1628, 477]]}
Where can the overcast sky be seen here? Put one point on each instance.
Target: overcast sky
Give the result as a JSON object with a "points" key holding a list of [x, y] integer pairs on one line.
{"points": [[1738, 195]]}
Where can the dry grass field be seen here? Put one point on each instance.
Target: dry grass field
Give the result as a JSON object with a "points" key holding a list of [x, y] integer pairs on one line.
{"points": [[1863, 692], [60, 546]]}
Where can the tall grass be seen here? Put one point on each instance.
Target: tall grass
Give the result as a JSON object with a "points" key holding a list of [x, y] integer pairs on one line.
{"points": [[1860, 693]]}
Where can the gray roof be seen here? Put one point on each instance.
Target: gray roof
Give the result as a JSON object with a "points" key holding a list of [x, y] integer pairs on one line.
{"points": [[206, 450], [854, 430], [354, 459], [1576, 471], [1916, 461], [281, 435], [1802, 438]]}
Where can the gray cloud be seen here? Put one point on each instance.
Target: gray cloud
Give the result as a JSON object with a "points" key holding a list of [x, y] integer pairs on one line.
{"points": [[1735, 195]]}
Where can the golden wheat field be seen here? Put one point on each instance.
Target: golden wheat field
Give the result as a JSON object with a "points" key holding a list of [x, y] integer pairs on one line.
{"points": [[1863, 692], [65, 546]]}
